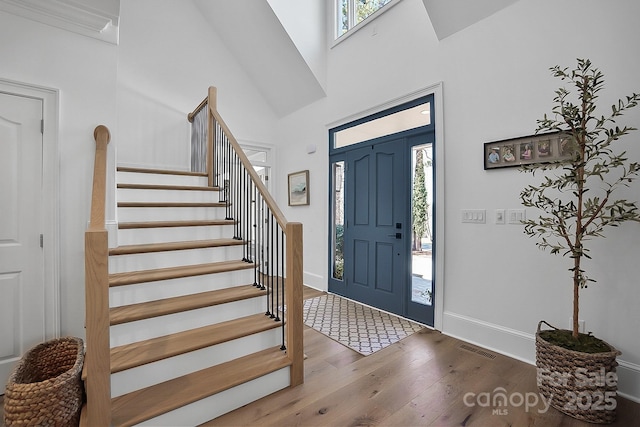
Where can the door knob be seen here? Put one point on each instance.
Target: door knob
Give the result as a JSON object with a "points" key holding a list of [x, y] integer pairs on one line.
{"points": [[396, 235]]}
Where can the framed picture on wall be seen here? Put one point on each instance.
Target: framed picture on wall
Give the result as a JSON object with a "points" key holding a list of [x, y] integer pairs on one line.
{"points": [[545, 148], [299, 188]]}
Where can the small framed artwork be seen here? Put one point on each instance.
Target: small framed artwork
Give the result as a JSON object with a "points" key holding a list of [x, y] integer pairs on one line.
{"points": [[544, 148], [299, 188]]}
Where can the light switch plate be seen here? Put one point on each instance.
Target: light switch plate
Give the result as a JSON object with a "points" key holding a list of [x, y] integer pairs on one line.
{"points": [[475, 216], [515, 216]]}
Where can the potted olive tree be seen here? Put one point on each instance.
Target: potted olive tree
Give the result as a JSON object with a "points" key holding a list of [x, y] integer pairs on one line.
{"points": [[577, 200]]}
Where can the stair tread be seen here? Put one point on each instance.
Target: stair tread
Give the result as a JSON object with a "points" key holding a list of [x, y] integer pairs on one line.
{"points": [[171, 205], [159, 171], [142, 352], [142, 405], [165, 224], [142, 276], [146, 310], [166, 187], [173, 246]]}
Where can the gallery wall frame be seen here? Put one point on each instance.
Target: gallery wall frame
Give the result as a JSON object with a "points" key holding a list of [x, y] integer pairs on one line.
{"points": [[298, 185], [537, 148]]}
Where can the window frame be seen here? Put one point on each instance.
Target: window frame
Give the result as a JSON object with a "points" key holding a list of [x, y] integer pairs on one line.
{"points": [[353, 27]]}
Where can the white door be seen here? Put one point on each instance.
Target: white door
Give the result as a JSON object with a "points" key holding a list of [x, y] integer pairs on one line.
{"points": [[22, 289]]}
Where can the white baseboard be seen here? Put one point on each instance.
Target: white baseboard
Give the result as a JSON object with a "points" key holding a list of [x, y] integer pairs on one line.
{"points": [[315, 281], [628, 380], [521, 346], [510, 342]]}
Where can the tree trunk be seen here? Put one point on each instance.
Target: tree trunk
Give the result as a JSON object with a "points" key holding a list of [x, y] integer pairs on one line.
{"points": [[576, 296]]}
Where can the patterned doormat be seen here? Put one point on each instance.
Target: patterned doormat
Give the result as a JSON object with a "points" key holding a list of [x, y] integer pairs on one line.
{"points": [[359, 327]]}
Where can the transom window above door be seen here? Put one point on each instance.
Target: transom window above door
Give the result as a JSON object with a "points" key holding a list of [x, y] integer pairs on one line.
{"points": [[409, 118], [350, 13]]}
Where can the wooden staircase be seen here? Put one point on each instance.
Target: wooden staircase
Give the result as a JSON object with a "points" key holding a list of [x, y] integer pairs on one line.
{"points": [[185, 318], [189, 339]]}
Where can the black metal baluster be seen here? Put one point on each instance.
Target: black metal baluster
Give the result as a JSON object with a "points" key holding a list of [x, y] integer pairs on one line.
{"points": [[216, 154], [277, 272], [271, 265], [227, 165], [262, 244], [282, 261], [259, 226], [254, 238], [236, 197], [247, 209], [268, 265]]}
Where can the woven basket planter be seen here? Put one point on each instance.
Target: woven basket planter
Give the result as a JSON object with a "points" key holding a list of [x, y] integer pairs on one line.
{"points": [[581, 385], [45, 388]]}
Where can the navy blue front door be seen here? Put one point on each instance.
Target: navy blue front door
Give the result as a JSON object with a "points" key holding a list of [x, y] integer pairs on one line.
{"points": [[375, 230]]}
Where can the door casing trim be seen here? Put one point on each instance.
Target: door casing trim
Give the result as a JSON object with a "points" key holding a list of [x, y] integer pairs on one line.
{"points": [[50, 196], [436, 90]]}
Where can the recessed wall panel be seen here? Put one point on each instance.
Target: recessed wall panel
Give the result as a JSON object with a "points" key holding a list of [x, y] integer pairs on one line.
{"points": [[361, 191], [361, 264], [9, 315], [384, 190], [9, 152], [384, 267]]}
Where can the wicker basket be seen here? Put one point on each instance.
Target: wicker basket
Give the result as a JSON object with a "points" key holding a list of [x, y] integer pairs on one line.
{"points": [[581, 385], [45, 388]]}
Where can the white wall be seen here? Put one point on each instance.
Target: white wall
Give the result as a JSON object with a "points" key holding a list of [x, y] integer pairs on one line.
{"points": [[84, 71], [305, 23], [166, 62], [497, 284]]}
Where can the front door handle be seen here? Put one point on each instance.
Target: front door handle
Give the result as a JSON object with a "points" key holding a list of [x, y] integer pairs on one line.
{"points": [[396, 235]]}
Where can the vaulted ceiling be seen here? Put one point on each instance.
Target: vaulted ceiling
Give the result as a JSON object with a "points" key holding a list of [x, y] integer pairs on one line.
{"points": [[256, 37], [254, 34]]}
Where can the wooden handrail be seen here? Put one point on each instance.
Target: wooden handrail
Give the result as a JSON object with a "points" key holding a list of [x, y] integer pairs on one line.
{"points": [[200, 106], [97, 363], [273, 206], [102, 137], [293, 231]]}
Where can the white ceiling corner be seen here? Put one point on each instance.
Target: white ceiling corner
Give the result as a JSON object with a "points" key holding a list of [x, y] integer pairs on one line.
{"points": [[450, 16], [77, 17]]}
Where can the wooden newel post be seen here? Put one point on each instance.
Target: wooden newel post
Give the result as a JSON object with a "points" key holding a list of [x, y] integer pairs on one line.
{"points": [[102, 137], [293, 302], [212, 95], [97, 360]]}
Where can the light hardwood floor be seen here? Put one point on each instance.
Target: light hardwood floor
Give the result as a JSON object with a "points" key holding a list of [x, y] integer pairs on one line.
{"points": [[420, 381]]}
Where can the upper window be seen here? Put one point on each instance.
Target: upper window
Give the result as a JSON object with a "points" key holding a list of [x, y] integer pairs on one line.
{"points": [[352, 12]]}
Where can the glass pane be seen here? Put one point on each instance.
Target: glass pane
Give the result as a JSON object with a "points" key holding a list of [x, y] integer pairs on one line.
{"points": [[422, 225], [338, 220], [410, 118], [343, 17], [366, 8], [255, 155]]}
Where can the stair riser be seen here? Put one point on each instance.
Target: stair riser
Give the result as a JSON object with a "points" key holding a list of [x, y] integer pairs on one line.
{"points": [[169, 214], [214, 406], [160, 179], [151, 260], [139, 236], [164, 370], [151, 195], [150, 291], [165, 325]]}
